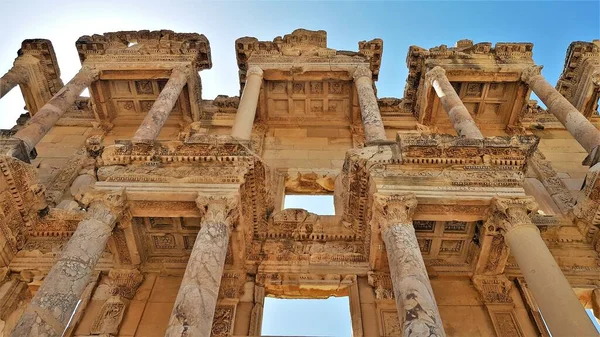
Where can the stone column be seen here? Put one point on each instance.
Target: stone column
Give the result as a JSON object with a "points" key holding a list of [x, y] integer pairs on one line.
{"points": [[47, 116], [461, 119], [559, 305], [417, 309], [244, 118], [574, 121], [15, 76], [369, 109], [162, 107], [50, 310], [196, 300]]}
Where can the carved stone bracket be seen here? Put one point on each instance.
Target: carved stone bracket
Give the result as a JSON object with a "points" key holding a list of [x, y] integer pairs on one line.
{"points": [[493, 289], [123, 286]]}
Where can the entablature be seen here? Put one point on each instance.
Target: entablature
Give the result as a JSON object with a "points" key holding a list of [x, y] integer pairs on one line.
{"points": [[580, 80], [304, 50], [486, 78]]}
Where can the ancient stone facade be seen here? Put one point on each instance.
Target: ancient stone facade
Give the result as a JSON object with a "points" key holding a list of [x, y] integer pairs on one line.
{"points": [[462, 209]]}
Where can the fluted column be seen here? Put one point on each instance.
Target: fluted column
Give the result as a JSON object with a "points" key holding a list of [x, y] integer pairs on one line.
{"points": [[15, 76], [196, 300], [369, 109], [244, 118], [562, 311], [49, 114], [162, 107], [574, 121], [51, 308], [415, 302], [461, 119]]}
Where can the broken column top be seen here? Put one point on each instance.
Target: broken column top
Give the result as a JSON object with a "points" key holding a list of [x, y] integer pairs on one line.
{"points": [[145, 45], [304, 45]]}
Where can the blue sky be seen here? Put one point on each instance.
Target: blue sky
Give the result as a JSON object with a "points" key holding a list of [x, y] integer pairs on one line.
{"points": [[550, 25]]}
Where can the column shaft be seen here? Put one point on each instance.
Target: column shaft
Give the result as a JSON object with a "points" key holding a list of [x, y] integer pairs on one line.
{"points": [[244, 118], [415, 302], [461, 119], [196, 300], [51, 308], [562, 311], [162, 107], [11, 79], [369, 109], [47, 116], [574, 121], [417, 309]]}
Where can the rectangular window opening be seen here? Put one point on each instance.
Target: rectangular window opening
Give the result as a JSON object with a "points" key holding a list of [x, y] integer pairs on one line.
{"points": [[307, 317], [318, 204]]}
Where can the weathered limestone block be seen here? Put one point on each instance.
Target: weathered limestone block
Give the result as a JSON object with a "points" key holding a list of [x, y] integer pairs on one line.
{"points": [[371, 117], [415, 302], [563, 313], [49, 114], [15, 76], [244, 118], [196, 301], [578, 125], [461, 119], [162, 107], [51, 308]]}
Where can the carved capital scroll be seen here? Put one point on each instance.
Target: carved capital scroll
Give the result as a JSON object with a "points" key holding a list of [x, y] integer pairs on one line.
{"points": [[219, 209], [435, 73], [510, 213], [362, 71], [254, 70], [394, 209], [103, 205], [528, 74]]}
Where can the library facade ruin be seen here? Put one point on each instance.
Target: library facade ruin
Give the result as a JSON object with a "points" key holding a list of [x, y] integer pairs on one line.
{"points": [[463, 208]]}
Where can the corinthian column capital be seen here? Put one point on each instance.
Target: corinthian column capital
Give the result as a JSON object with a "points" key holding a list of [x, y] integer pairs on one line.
{"points": [[254, 70], [529, 73], [435, 74], [218, 209], [394, 209], [511, 213], [105, 206], [362, 71]]}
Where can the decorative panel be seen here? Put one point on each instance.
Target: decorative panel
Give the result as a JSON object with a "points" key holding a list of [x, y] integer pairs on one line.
{"points": [[133, 98], [489, 103], [168, 236], [308, 101]]}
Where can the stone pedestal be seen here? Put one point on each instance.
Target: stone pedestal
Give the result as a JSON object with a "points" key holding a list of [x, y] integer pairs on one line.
{"points": [[574, 121], [461, 119], [47, 116], [415, 302], [369, 109], [244, 118], [563, 313], [162, 107], [51, 308], [196, 300], [15, 76]]}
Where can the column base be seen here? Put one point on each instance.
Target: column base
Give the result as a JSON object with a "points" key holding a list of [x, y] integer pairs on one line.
{"points": [[14, 147], [592, 158]]}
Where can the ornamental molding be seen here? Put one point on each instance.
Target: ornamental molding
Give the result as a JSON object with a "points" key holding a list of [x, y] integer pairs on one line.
{"points": [[144, 45]]}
